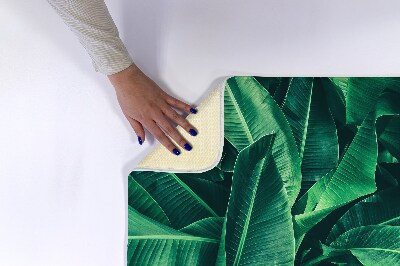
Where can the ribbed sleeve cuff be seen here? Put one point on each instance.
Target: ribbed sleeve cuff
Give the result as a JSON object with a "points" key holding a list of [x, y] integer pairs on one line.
{"points": [[111, 56]]}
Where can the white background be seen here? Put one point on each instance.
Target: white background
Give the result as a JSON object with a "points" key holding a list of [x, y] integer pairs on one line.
{"points": [[65, 148]]}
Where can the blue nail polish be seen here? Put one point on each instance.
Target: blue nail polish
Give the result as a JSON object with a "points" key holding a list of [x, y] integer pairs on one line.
{"points": [[192, 132], [187, 147], [193, 111], [140, 140], [176, 152]]}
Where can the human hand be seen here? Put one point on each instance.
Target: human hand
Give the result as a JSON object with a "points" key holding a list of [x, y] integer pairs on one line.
{"points": [[145, 104]]}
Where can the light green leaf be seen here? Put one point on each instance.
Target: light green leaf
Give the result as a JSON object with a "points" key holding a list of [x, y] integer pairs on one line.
{"points": [[259, 226]]}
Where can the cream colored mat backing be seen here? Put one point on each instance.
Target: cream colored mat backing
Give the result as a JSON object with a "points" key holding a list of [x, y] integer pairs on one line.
{"points": [[207, 145]]}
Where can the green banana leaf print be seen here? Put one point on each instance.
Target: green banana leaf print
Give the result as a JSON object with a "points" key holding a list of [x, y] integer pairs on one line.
{"points": [[309, 175]]}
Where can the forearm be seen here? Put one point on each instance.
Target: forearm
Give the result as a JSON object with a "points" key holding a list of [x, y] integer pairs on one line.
{"points": [[92, 23]]}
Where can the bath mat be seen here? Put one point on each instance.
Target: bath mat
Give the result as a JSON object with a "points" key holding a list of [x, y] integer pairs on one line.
{"points": [[309, 175]]}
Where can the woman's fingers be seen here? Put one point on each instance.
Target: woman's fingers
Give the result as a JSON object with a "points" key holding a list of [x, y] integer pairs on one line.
{"points": [[161, 137], [142, 101], [180, 120], [180, 105], [138, 128], [163, 122]]}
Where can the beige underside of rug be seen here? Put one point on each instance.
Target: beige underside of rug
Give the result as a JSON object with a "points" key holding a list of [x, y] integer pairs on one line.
{"points": [[207, 145]]}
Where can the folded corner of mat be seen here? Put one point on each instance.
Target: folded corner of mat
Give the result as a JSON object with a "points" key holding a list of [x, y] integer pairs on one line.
{"points": [[207, 145]]}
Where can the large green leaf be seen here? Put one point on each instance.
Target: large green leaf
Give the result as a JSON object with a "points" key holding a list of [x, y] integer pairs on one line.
{"points": [[259, 228], [341, 83], [321, 151], [380, 208], [140, 225], [363, 93], [179, 202], [313, 127], [296, 108], [139, 199], [250, 112], [277, 87], [270, 83], [221, 257], [372, 245], [355, 174], [208, 227], [214, 194], [152, 243], [353, 178], [308, 201]]}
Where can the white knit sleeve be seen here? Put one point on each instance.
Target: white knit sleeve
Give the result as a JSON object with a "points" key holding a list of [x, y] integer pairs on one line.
{"points": [[92, 23]]}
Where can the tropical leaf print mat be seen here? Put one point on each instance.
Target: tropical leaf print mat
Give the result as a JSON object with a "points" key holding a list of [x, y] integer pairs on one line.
{"points": [[308, 175]]}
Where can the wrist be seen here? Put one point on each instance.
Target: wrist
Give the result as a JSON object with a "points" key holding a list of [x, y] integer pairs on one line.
{"points": [[125, 75]]}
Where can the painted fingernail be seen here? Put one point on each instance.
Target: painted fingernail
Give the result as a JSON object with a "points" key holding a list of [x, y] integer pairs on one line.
{"points": [[176, 152], [192, 132], [187, 147], [193, 111], [140, 140]]}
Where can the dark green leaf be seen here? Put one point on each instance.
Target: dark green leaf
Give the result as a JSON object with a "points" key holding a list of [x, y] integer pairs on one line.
{"points": [[250, 112], [152, 243], [139, 199], [380, 208], [180, 203]]}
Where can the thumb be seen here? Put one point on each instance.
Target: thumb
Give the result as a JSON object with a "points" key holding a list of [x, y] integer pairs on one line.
{"points": [[138, 128]]}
